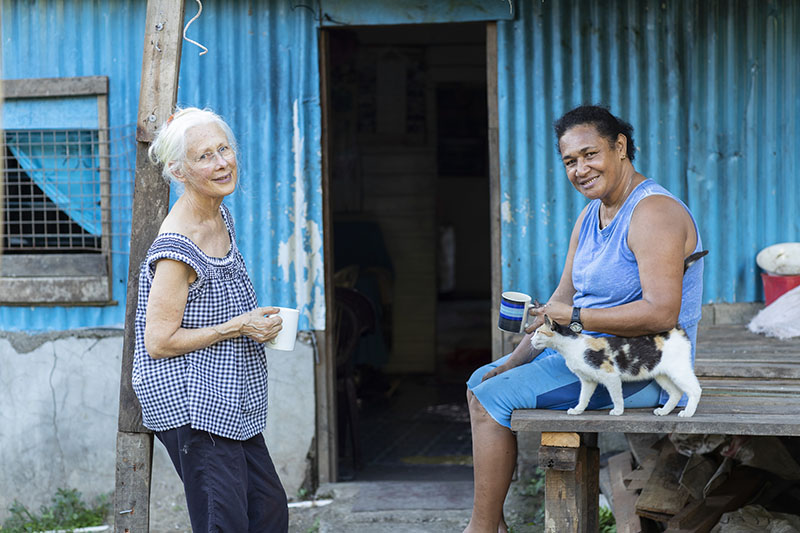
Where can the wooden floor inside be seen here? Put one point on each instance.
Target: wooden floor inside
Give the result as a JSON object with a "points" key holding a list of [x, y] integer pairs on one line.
{"points": [[751, 386]]}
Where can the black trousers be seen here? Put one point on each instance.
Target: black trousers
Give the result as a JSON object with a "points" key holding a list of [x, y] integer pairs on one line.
{"points": [[231, 486]]}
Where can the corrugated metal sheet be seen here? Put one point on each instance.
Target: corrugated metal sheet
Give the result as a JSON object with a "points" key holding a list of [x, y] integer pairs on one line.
{"points": [[261, 73], [711, 89], [380, 12]]}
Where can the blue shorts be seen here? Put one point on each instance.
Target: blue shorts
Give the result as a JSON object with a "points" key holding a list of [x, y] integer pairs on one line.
{"points": [[547, 383]]}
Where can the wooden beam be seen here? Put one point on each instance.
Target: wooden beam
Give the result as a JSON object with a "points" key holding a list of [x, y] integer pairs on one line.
{"points": [[663, 495], [499, 344], [157, 94], [624, 499], [572, 494], [325, 365], [54, 87], [160, 65], [159, 87], [132, 495], [568, 440]]}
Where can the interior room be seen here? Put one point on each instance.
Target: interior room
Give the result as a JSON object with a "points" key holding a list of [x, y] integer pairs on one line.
{"points": [[409, 196]]}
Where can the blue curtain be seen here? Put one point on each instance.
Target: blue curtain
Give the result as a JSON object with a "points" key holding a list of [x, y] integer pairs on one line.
{"points": [[64, 165]]}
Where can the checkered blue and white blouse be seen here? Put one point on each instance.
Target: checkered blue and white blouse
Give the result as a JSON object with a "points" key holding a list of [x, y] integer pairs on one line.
{"points": [[221, 389]]}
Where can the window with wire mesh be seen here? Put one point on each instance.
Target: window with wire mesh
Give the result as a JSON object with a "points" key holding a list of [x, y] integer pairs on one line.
{"points": [[52, 191]]}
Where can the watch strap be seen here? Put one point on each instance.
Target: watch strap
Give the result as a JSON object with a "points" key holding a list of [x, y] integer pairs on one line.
{"points": [[576, 315]]}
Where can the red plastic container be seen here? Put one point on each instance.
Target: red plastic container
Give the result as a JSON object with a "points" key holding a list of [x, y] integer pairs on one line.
{"points": [[775, 286]]}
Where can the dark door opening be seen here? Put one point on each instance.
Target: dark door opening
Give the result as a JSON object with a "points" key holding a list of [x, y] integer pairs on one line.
{"points": [[409, 196]]}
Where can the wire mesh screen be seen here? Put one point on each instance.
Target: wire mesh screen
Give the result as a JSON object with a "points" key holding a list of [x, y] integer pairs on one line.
{"points": [[67, 191]]}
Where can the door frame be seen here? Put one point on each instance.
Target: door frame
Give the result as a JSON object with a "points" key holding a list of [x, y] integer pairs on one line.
{"points": [[325, 385]]}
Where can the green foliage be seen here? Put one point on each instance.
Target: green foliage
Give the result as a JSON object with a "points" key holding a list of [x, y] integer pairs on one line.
{"points": [[535, 486], [314, 528], [534, 491], [67, 511], [607, 522]]}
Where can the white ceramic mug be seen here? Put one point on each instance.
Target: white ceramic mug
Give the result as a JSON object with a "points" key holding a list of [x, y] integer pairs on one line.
{"points": [[514, 308], [288, 334]]}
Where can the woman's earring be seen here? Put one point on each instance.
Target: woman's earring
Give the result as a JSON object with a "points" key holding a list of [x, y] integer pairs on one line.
{"points": [[623, 156]]}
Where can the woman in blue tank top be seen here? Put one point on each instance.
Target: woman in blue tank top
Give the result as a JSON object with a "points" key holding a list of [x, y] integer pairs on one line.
{"points": [[623, 275]]}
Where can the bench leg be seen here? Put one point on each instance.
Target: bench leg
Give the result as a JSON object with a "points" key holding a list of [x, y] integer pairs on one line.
{"points": [[572, 489]]}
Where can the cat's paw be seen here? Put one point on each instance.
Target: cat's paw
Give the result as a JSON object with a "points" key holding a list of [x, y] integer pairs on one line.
{"points": [[574, 411], [616, 411], [685, 414], [662, 412]]}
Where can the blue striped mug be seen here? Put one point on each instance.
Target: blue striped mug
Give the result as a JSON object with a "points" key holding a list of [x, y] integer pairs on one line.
{"points": [[514, 308]]}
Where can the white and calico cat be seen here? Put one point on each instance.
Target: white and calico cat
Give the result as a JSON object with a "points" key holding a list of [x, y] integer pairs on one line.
{"points": [[665, 357]]}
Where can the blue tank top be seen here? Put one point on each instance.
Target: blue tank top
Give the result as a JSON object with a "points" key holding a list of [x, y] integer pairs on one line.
{"points": [[605, 272]]}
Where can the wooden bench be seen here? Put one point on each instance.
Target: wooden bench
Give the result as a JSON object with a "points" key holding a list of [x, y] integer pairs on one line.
{"points": [[751, 386]]}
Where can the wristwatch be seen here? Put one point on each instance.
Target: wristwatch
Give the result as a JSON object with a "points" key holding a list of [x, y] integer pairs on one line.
{"points": [[576, 325]]}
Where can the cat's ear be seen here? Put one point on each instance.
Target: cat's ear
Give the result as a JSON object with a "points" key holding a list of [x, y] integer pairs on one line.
{"points": [[547, 321]]}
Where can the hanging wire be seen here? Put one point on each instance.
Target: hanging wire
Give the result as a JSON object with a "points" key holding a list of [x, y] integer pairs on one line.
{"points": [[199, 10]]}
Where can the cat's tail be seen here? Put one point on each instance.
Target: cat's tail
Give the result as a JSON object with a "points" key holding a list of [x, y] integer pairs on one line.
{"points": [[692, 259]]}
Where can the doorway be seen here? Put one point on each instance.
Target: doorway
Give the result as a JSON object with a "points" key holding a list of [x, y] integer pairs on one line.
{"points": [[408, 157]]}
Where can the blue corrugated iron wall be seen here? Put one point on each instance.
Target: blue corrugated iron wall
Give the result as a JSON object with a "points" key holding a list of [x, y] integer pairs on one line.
{"points": [[50, 39], [261, 73], [711, 89]]}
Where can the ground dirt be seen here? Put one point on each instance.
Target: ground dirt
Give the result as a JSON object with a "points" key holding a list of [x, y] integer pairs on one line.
{"points": [[523, 509]]}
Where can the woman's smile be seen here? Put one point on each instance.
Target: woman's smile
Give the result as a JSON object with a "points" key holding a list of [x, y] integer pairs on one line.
{"points": [[589, 183]]}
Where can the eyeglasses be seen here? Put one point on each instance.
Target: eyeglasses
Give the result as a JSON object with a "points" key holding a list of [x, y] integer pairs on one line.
{"points": [[209, 158]]}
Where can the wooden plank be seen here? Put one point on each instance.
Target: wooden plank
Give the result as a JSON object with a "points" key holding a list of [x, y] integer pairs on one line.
{"points": [[755, 385], [663, 493], [624, 500], [567, 440], [133, 474], [636, 479], [161, 62], [73, 290], [699, 470], [729, 368], [325, 367], [499, 346], [571, 496], [105, 184], [701, 516], [150, 206], [643, 446], [558, 458], [54, 87], [589, 490], [731, 421], [158, 90], [561, 502], [50, 265]]}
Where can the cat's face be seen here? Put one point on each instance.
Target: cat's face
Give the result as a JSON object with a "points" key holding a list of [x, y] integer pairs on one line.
{"points": [[549, 333]]}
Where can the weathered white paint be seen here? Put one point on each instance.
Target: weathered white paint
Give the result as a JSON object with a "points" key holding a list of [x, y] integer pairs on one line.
{"points": [[505, 211], [301, 253]]}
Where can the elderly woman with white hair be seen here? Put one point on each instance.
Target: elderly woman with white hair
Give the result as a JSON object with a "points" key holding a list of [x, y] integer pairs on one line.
{"points": [[199, 368]]}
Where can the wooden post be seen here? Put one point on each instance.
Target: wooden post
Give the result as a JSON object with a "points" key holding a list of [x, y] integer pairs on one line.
{"points": [[325, 366], [571, 462], [157, 95]]}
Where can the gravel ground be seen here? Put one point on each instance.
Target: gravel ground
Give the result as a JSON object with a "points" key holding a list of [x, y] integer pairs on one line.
{"points": [[523, 506], [168, 513]]}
